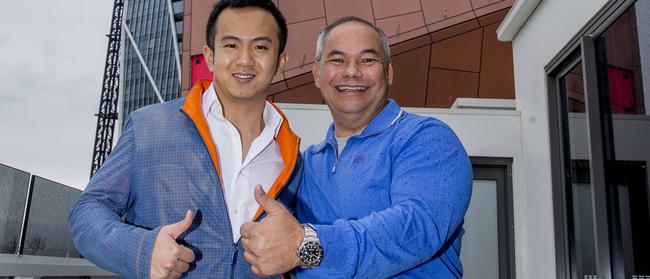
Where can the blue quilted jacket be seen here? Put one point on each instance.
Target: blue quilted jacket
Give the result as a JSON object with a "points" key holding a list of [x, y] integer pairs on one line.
{"points": [[164, 164]]}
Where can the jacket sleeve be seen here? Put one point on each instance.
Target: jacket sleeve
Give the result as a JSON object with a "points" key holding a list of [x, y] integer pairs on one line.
{"points": [[95, 221], [431, 183]]}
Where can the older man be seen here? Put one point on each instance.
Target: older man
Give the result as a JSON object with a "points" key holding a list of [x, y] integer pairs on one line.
{"points": [[384, 195]]}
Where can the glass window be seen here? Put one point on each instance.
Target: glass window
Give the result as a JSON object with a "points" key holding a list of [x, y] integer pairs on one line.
{"points": [[13, 194], [47, 232], [626, 122], [601, 124], [579, 187], [481, 240]]}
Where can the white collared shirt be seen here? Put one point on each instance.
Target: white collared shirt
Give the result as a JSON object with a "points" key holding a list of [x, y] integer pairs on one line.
{"points": [[262, 164]]}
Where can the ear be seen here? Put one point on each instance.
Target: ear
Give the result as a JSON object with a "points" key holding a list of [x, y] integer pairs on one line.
{"points": [[282, 60], [315, 71], [389, 73], [208, 54]]}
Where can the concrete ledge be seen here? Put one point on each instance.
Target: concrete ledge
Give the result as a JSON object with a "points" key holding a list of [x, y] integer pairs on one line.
{"points": [[29, 266], [482, 103]]}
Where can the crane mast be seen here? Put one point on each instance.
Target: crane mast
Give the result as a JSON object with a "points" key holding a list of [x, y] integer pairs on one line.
{"points": [[107, 115]]}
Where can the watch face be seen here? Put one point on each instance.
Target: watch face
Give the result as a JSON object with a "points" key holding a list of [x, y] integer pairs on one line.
{"points": [[311, 253]]}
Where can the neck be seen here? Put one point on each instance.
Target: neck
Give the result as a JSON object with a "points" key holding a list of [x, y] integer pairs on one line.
{"points": [[346, 125], [247, 117]]}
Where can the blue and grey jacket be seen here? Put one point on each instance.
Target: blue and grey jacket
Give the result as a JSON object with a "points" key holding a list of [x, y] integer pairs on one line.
{"points": [[164, 164]]}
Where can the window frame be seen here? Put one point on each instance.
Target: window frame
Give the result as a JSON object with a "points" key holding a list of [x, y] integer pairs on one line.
{"points": [[581, 48], [500, 170]]}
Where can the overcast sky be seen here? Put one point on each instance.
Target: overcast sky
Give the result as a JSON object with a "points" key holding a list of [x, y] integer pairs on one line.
{"points": [[51, 65]]}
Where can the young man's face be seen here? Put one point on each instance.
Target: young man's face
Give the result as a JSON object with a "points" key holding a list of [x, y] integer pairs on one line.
{"points": [[352, 76], [245, 55]]}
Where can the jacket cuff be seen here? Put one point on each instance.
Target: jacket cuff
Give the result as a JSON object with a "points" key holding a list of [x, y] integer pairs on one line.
{"points": [[145, 250], [340, 248]]}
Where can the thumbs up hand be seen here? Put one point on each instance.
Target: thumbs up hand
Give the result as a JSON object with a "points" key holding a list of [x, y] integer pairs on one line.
{"points": [[169, 259], [270, 245]]}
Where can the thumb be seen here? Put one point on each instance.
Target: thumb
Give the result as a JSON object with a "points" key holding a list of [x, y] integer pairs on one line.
{"points": [[181, 226], [270, 205]]}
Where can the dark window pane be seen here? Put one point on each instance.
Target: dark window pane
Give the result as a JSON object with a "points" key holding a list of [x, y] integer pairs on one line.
{"points": [[13, 192], [624, 67], [579, 186], [575, 90], [620, 70], [47, 232]]}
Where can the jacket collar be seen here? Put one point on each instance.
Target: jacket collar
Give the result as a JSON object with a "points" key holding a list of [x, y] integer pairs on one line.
{"points": [[388, 116], [287, 140]]}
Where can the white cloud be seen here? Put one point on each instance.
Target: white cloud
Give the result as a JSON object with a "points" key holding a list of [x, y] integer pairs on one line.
{"points": [[51, 67]]}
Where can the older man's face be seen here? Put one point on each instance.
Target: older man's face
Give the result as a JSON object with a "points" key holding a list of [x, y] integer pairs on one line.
{"points": [[352, 76]]}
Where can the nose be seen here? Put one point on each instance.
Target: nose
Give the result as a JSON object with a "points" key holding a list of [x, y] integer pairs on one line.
{"points": [[352, 70], [245, 58]]}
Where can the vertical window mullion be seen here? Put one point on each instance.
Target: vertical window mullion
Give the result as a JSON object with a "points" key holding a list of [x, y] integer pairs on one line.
{"points": [[599, 189]]}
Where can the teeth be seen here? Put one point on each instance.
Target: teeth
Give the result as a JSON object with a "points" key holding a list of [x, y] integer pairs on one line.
{"points": [[352, 88], [243, 75]]}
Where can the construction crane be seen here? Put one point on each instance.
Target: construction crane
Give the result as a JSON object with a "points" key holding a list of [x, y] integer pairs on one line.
{"points": [[107, 115]]}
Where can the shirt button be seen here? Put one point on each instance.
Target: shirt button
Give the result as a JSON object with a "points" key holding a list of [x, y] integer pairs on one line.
{"points": [[236, 211]]}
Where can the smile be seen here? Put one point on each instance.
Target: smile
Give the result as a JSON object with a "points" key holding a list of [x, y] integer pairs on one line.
{"points": [[243, 77], [345, 88]]}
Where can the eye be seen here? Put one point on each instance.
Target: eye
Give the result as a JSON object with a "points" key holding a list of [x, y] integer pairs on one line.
{"points": [[261, 47], [230, 45], [336, 61], [369, 61]]}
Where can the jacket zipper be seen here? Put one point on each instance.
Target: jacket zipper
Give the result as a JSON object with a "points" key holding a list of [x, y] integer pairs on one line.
{"points": [[223, 198], [225, 207], [336, 161]]}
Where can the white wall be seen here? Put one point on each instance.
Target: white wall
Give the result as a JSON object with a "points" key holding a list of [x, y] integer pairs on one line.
{"points": [[489, 133], [549, 28]]}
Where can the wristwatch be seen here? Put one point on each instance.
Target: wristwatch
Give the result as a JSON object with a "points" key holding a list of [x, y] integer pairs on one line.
{"points": [[310, 251]]}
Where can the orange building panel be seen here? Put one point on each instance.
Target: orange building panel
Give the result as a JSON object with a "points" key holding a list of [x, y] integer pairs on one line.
{"points": [[455, 30], [461, 52], [301, 10], [441, 49], [440, 10], [306, 94], [301, 44], [335, 9], [389, 8], [496, 67], [411, 70], [447, 85], [396, 25]]}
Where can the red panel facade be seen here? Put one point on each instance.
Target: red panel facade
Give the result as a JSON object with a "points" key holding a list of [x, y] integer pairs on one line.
{"points": [[441, 49]]}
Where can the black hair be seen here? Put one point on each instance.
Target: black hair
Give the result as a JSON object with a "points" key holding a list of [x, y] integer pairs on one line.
{"points": [[266, 5]]}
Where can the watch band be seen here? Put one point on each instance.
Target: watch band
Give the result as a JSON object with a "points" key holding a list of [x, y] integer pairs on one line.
{"points": [[310, 251], [310, 231]]}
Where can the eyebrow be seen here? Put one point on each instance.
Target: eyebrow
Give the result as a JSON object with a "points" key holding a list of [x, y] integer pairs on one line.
{"points": [[233, 38], [335, 52]]}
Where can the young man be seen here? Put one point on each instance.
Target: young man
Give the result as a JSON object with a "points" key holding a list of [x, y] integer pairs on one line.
{"points": [[197, 157], [384, 195]]}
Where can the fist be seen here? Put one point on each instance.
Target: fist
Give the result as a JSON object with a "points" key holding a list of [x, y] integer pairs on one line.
{"points": [[270, 246], [169, 259]]}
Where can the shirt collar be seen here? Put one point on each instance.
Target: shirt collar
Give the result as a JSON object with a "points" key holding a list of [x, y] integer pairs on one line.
{"points": [[386, 118], [212, 106]]}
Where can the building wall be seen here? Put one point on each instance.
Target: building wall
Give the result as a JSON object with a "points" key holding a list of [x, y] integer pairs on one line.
{"points": [[150, 26], [550, 27], [483, 132], [441, 50]]}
